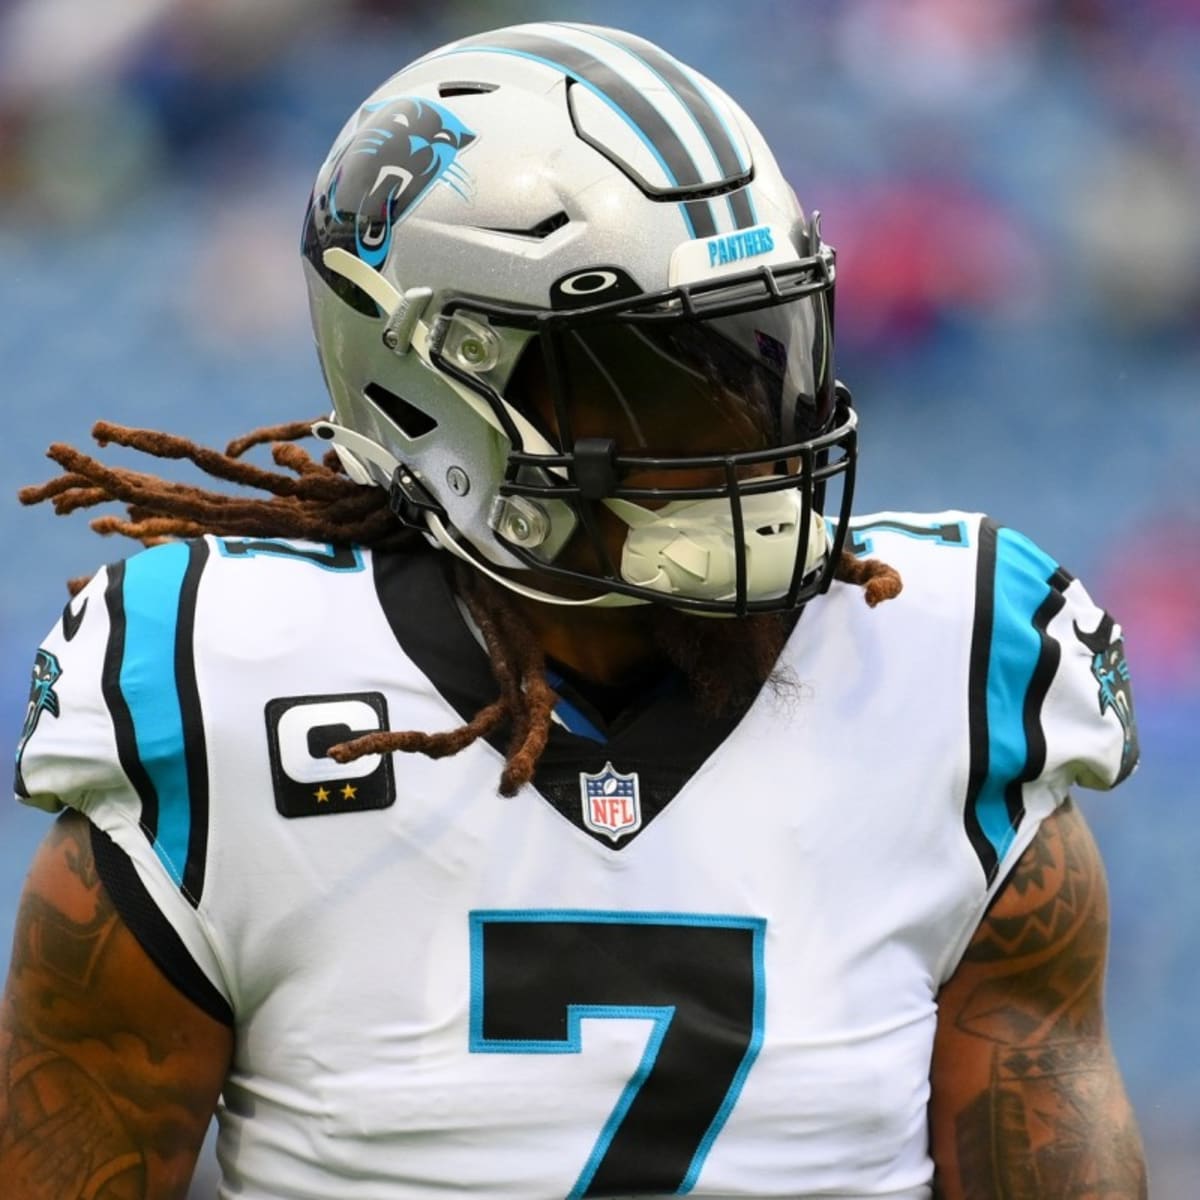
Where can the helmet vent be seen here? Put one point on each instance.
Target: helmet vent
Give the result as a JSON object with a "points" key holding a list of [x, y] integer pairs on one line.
{"points": [[409, 419], [549, 225], [465, 88], [543, 229]]}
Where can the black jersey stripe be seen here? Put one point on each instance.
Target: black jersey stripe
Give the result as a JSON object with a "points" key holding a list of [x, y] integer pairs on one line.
{"points": [[1049, 656], [1013, 661], [977, 707], [704, 113], [118, 707], [195, 747], [153, 931], [149, 685], [640, 114]]}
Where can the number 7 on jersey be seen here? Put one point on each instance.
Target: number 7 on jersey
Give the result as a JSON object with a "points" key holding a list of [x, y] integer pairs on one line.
{"points": [[536, 976]]}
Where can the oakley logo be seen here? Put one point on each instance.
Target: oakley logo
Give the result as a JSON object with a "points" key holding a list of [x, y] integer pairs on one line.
{"points": [[596, 285]]}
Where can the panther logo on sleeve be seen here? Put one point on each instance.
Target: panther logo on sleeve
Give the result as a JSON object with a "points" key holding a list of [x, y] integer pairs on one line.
{"points": [[42, 698], [1111, 672]]}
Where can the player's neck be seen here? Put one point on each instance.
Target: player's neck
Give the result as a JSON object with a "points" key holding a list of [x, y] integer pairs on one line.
{"points": [[609, 646]]}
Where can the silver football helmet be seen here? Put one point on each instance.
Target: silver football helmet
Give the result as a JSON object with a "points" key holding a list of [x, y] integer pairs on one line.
{"points": [[572, 316]]}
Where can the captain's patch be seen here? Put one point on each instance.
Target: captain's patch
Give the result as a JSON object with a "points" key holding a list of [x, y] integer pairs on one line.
{"points": [[300, 732]]}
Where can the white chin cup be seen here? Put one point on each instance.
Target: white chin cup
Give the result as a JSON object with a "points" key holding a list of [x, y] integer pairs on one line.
{"points": [[686, 548]]}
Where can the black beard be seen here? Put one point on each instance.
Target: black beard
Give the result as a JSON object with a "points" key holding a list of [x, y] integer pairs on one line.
{"points": [[726, 661]]}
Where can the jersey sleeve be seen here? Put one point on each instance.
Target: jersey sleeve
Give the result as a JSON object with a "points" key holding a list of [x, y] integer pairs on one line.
{"points": [[109, 731], [1050, 703], [66, 750]]}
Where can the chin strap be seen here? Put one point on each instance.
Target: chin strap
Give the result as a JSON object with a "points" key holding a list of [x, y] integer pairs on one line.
{"points": [[686, 548], [607, 600], [364, 451]]}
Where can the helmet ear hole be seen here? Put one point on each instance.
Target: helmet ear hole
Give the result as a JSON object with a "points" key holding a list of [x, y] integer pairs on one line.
{"points": [[410, 420]]}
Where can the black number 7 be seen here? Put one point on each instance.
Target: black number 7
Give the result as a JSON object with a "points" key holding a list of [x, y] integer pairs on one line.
{"points": [[536, 975]]}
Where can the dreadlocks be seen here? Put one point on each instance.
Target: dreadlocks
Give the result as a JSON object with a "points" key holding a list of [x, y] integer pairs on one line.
{"points": [[316, 501]]}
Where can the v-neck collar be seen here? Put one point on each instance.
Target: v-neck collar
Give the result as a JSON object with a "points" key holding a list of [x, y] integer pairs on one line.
{"points": [[582, 710], [659, 745]]}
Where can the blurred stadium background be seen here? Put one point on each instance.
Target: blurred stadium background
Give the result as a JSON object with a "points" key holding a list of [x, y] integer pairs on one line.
{"points": [[1014, 189]]}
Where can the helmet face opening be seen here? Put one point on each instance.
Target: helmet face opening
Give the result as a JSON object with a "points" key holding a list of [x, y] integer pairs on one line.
{"points": [[731, 366], [716, 392], [662, 383]]}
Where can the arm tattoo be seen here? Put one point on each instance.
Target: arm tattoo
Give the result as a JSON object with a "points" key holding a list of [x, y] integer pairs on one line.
{"points": [[1052, 1118], [62, 1137], [87, 1096]]}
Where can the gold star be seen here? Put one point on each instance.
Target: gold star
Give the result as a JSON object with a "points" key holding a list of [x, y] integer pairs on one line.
{"points": [[321, 794], [349, 792]]}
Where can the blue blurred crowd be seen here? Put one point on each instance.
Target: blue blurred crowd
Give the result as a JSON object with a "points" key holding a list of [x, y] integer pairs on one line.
{"points": [[1014, 189]]}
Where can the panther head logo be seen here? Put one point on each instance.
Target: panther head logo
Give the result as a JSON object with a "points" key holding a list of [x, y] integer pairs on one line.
{"points": [[42, 698], [380, 171], [1111, 672]]}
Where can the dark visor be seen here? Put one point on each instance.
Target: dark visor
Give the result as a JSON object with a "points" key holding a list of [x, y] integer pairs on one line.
{"points": [[675, 383]]}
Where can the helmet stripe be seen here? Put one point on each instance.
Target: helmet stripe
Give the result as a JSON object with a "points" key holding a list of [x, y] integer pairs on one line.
{"points": [[649, 84], [647, 123], [705, 113]]}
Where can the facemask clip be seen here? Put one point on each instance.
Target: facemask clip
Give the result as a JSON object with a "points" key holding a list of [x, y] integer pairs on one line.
{"points": [[520, 521], [410, 499], [594, 464], [402, 322]]}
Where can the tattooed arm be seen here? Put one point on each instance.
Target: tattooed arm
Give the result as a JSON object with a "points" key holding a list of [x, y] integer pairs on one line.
{"points": [[108, 1075], [1027, 1100]]}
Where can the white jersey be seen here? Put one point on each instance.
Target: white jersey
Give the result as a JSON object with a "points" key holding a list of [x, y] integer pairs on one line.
{"points": [[698, 956]]}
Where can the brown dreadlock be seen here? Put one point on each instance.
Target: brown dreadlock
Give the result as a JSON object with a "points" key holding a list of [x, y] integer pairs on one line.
{"points": [[318, 502]]}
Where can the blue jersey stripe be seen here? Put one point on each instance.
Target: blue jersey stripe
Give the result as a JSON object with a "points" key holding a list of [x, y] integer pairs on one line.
{"points": [[148, 683], [1021, 586]]}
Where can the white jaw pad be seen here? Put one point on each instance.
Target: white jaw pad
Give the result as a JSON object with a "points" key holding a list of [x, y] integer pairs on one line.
{"points": [[686, 548]]}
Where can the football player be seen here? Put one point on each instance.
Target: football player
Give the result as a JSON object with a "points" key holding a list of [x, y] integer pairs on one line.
{"points": [[553, 790]]}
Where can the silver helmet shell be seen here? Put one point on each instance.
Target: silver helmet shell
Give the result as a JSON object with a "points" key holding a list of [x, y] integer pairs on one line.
{"points": [[574, 193]]}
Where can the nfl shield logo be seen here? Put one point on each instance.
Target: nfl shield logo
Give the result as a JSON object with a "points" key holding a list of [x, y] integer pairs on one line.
{"points": [[611, 805]]}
